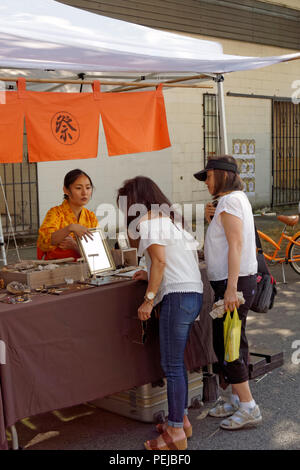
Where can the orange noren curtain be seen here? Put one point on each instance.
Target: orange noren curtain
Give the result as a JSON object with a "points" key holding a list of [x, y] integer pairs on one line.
{"points": [[61, 126], [134, 122], [11, 128], [65, 126]]}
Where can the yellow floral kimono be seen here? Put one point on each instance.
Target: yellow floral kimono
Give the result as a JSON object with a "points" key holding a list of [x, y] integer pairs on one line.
{"points": [[56, 218]]}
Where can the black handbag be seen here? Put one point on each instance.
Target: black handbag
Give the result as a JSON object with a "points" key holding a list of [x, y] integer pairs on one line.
{"points": [[266, 284]]}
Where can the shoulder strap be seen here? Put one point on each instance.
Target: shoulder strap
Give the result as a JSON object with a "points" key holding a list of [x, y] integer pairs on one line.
{"points": [[262, 265], [257, 240]]}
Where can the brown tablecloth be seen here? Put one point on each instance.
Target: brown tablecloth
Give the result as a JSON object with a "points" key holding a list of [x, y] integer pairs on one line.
{"points": [[66, 350]]}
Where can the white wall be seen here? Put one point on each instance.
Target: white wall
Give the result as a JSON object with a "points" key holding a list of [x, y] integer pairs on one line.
{"points": [[185, 121], [251, 119], [284, 3], [173, 168], [107, 174], [247, 118]]}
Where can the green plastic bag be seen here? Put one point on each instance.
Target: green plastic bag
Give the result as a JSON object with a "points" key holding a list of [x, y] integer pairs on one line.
{"points": [[232, 336]]}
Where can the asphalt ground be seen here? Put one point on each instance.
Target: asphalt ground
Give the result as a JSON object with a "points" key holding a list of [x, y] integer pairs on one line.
{"points": [[86, 427]]}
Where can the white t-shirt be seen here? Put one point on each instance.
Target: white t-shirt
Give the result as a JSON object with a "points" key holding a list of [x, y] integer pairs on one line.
{"points": [[216, 245], [181, 272]]}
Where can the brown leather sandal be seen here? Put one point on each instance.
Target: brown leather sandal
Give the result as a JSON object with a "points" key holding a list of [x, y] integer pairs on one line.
{"points": [[162, 427], [169, 444]]}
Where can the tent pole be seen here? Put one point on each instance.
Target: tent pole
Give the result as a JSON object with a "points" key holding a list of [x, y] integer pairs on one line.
{"points": [[182, 79], [103, 82], [2, 245], [223, 133]]}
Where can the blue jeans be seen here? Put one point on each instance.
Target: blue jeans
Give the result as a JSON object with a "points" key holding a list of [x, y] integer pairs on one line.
{"points": [[177, 313]]}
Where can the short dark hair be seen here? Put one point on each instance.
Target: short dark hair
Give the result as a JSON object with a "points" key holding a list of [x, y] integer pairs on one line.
{"points": [[226, 180], [72, 176]]}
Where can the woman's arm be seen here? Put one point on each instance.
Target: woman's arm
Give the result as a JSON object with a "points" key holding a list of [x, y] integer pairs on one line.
{"points": [[81, 231], [233, 227], [58, 236], [158, 262], [69, 244]]}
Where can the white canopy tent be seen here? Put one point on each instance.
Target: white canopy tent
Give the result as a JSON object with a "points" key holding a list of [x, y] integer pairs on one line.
{"points": [[48, 35], [49, 39], [45, 35]]}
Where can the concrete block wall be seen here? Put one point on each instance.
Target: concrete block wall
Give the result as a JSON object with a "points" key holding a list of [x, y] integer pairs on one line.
{"points": [[173, 168], [107, 173], [285, 3], [251, 119], [186, 133]]}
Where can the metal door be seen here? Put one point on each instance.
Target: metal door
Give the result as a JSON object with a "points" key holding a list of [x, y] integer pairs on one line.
{"points": [[21, 190], [210, 126], [286, 153]]}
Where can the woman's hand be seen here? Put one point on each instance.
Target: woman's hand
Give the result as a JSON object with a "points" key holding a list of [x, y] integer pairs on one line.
{"points": [[81, 231], [69, 244], [231, 299], [209, 212], [144, 312], [140, 276]]}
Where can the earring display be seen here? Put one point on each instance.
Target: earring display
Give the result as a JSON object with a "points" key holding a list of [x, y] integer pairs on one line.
{"points": [[97, 253], [123, 241]]}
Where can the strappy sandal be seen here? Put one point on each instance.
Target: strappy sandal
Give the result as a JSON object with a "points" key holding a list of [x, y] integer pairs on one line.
{"points": [[161, 427], [169, 444]]}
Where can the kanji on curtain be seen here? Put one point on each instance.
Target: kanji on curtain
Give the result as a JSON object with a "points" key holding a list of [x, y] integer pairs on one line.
{"points": [[65, 126], [61, 126]]}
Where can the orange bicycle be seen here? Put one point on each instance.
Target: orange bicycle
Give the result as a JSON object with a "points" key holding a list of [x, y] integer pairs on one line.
{"points": [[292, 252]]}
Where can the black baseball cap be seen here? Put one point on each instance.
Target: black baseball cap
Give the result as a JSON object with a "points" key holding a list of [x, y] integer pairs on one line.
{"points": [[215, 164]]}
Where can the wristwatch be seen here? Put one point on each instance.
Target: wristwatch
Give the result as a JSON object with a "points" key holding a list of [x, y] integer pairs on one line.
{"points": [[149, 297]]}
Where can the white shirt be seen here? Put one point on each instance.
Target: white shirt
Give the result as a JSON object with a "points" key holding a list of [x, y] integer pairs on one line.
{"points": [[216, 245], [181, 272]]}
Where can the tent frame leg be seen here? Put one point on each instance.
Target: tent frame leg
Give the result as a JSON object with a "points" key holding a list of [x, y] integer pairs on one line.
{"points": [[2, 245], [219, 79]]}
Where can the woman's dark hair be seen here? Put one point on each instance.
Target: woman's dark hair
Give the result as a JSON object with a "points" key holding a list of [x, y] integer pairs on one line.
{"points": [[143, 190], [226, 181], [72, 176]]}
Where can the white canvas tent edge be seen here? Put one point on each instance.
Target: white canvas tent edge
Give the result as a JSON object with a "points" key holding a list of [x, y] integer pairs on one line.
{"points": [[50, 35], [43, 35], [55, 37]]}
